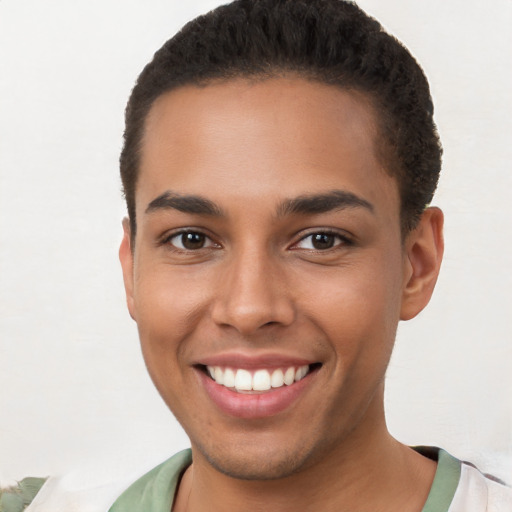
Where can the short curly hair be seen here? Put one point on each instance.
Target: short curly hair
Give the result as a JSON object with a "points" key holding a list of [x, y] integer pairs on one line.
{"points": [[328, 41]]}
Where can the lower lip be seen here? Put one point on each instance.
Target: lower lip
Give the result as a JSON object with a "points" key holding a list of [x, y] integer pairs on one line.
{"points": [[258, 405]]}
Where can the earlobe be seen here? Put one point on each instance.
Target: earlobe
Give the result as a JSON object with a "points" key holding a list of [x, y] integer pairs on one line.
{"points": [[424, 253], [126, 259]]}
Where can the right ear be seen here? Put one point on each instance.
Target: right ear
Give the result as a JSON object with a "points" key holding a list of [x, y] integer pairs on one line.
{"points": [[126, 259]]}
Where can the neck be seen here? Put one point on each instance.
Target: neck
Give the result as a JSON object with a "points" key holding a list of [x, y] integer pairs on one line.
{"points": [[369, 470]]}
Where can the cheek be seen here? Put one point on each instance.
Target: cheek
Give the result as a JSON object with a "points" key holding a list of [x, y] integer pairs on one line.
{"points": [[167, 306], [168, 303], [359, 307]]}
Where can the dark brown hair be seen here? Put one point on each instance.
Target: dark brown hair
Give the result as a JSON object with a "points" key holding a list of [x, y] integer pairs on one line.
{"points": [[329, 41]]}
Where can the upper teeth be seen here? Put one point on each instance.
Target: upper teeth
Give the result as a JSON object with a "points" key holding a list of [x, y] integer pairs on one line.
{"points": [[259, 380]]}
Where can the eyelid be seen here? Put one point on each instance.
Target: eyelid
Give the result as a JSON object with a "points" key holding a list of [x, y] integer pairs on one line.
{"points": [[168, 236], [344, 239]]}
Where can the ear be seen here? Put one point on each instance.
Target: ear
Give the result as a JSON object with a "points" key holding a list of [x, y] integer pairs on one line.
{"points": [[126, 258], [424, 248]]}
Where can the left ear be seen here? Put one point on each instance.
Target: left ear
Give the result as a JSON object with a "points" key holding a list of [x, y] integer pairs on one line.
{"points": [[424, 247], [126, 259]]}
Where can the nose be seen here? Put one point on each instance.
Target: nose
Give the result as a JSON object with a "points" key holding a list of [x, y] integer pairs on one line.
{"points": [[252, 294]]}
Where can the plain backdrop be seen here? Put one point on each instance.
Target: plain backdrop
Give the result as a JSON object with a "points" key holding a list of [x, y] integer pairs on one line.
{"points": [[74, 393]]}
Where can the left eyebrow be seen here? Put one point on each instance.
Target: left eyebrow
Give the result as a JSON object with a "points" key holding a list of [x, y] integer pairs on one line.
{"points": [[313, 204], [184, 203]]}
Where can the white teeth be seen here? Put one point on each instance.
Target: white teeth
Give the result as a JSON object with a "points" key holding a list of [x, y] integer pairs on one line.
{"points": [[219, 375], [229, 378], [277, 379], [301, 372], [260, 380], [243, 380], [289, 376]]}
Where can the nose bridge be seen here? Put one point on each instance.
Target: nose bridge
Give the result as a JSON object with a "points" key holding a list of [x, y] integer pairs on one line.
{"points": [[252, 293]]}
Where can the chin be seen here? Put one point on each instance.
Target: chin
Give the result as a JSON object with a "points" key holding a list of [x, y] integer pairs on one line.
{"points": [[257, 463]]}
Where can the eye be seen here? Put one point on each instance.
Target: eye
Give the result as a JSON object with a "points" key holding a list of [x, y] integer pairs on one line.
{"points": [[321, 241], [189, 241]]}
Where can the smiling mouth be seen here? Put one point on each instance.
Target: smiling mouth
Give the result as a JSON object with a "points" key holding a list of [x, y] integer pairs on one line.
{"points": [[241, 380]]}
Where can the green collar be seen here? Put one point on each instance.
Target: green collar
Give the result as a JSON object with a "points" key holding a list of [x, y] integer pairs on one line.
{"points": [[445, 481]]}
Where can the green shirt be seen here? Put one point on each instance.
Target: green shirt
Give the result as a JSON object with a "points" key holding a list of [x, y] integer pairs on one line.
{"points": [[155, 491]]}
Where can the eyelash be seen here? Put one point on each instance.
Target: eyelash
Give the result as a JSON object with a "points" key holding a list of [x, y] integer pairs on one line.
{"points": [[339, 239], [167, 240], [342, 240]]}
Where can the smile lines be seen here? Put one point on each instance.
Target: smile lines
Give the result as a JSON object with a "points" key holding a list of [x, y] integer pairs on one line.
{"points": [[259, 380]]}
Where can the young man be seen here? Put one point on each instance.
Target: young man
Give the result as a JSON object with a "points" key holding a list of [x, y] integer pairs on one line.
{"points": [[278, 164]]}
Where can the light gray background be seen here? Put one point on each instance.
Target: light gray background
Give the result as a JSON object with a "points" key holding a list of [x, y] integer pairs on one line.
{"points": [[74, 394]]}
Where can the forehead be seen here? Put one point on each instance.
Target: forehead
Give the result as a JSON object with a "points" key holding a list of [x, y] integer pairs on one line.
{"points": [[274, 136]]}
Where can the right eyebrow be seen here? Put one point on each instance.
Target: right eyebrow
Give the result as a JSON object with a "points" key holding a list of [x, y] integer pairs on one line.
{"points": [[187, 204]]}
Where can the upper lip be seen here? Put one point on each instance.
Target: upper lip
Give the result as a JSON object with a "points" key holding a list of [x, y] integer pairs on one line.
{"points": [[268, 360]]}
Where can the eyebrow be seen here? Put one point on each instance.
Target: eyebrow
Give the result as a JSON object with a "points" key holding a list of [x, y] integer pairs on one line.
{"points": [[313, 204], [187, 204], [308, 204]]}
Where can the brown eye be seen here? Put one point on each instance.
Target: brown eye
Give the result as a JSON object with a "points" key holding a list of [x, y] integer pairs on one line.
{"points": [[190, 241], [322, 241], [193, 240]]}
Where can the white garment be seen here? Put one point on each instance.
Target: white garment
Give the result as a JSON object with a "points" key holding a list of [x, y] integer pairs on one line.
{"points": [[66, 495], [476, 493]]}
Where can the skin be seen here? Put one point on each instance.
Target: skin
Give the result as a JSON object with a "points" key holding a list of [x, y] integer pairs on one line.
{"points": [[259, 286]]}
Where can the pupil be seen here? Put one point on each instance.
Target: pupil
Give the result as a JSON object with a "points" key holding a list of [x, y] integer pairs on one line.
{"points": [[323, 241], [192, 240]]}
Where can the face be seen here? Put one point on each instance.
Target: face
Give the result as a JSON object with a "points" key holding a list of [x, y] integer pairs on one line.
{"points": [[268, 273]]}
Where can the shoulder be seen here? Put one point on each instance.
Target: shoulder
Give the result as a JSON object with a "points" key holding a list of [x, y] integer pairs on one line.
{"points": [[156, 489], [460, 487], [74, 493], [478, 493], [83, 491]]}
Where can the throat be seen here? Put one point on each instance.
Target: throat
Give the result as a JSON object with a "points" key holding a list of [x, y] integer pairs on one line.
{"points": [[401, 481]]}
